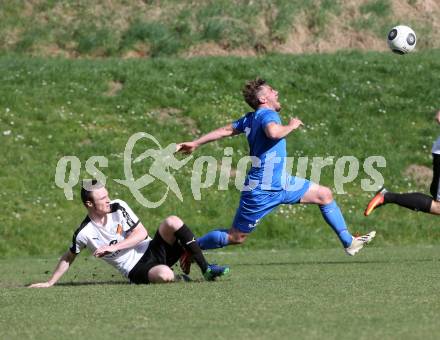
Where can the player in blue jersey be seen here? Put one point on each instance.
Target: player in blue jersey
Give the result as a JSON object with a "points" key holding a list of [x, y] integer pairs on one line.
{"points": [[267, 185]]}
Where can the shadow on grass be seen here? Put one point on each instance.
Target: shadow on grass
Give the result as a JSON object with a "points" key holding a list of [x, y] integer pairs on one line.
{"points": [[73, 284], [313, 263], [179, 278], [92, 283]]}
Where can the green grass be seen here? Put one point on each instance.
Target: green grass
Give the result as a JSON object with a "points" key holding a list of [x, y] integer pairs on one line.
{"points": [[382, 293], [360, 105], [377, 7]]}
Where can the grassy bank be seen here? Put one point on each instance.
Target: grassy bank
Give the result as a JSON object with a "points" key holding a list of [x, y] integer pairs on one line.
{"points": [[155, 28]]}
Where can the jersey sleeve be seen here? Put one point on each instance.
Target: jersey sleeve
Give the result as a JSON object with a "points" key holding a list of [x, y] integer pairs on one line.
{"points": [[436, 146], [270, 117], [130, 218], [239, 124], [78, 243]]}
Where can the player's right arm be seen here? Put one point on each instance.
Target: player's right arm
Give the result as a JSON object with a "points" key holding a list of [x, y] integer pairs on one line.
{"points": [[278, 131], [61, 268], [224, 131]]}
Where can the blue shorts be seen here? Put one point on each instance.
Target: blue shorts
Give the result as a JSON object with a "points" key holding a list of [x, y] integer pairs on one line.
{"points": [[256, 204]]}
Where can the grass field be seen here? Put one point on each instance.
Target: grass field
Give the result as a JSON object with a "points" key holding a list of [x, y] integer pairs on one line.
{"points": [[384, 293]]}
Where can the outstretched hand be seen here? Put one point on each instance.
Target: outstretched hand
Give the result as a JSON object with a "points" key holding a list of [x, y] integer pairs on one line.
{"points": [[41, 285], [295, 123], [186, 147]]}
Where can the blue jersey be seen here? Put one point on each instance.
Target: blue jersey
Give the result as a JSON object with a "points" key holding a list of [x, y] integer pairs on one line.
{"points": [[269, 155]]}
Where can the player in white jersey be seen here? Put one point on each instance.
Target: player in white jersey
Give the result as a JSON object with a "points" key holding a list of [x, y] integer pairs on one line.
{"points": [[414, 200], [114, 233]]}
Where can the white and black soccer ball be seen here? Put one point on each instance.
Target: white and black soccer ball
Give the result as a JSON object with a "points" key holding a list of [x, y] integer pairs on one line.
{"points": [[402, 39]]}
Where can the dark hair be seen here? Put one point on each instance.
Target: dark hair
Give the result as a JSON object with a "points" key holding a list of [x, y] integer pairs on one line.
{"points": [[87, 187], [251, 90]]}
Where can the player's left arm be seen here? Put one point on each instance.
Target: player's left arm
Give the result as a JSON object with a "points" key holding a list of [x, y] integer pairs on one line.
{"points": [[137, 235], [222, 132], [278, 131]]}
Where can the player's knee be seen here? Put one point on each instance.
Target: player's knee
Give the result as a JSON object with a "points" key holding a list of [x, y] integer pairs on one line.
{"points": [[325, 195], [435, 207], [160, 274], [167, 276], [237, 238], [240, 240], [173, 222]]}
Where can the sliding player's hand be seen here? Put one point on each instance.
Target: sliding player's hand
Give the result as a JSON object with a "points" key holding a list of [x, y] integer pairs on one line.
{"points": [[104, 250], [40, 285]]}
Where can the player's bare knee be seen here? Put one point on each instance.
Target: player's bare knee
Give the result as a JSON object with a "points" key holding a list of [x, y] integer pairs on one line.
{"points": [[160, 274], [166, 277], [435, 208], [173, 222], [237, 238], [325, 195], [241, 239]]}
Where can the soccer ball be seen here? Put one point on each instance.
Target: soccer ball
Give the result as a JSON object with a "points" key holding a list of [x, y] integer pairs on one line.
{"points": [[402, 39]]}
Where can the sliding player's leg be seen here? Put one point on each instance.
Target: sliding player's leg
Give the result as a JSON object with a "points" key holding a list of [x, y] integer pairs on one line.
{"points": [[173, 229]]}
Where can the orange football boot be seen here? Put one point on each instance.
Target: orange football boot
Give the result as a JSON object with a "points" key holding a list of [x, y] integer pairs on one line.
{"points": [[375, 202]]}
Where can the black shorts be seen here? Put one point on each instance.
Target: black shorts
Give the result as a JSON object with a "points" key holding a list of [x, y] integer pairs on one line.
{"points": [[435, 185], [158, 252]]}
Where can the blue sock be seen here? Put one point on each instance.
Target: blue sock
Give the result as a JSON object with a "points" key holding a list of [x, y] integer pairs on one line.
{"points": [[333, 216], [214, 239]]}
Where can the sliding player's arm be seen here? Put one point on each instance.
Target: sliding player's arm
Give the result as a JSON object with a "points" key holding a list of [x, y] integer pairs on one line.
{"points": [[224, 131], [138, 234], [61, 268], [278, 131]]}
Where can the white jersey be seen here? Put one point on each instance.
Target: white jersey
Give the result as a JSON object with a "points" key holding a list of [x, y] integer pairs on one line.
{"points": [[436, 147], [120, 222]]}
